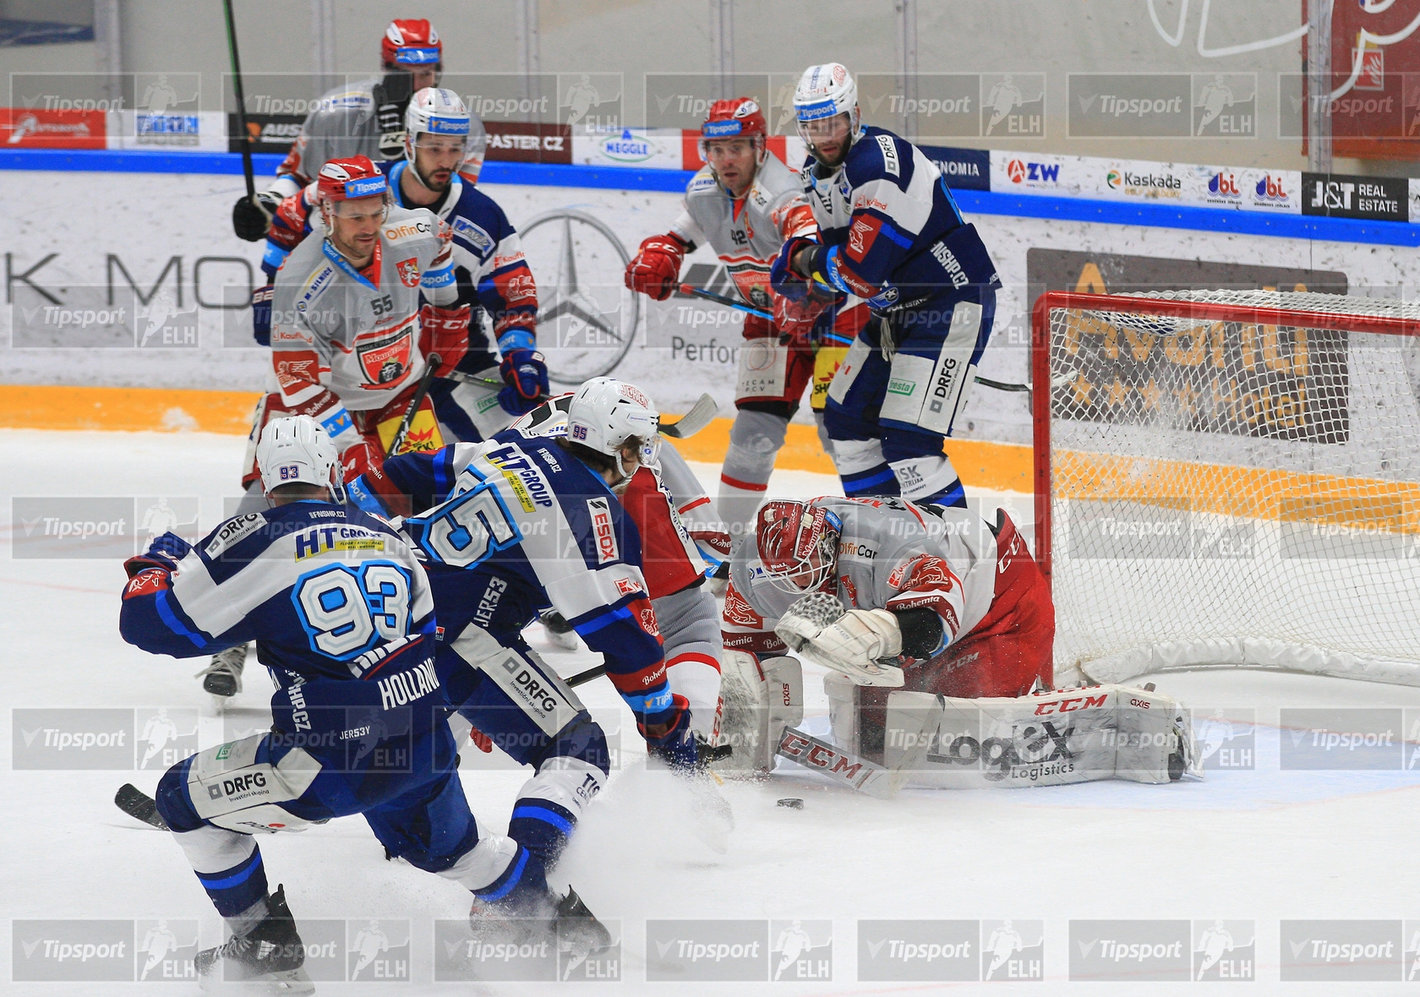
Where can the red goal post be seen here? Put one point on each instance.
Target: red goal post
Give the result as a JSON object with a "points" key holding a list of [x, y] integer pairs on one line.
{"points": [[1229, 478]]}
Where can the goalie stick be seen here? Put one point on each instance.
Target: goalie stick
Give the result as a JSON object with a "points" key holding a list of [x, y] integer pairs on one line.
{"points": [[139, 805], [721, 299]]}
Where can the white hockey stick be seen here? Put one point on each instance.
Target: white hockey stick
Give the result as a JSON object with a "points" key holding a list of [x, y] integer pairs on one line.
{"points": [[693, 421]]}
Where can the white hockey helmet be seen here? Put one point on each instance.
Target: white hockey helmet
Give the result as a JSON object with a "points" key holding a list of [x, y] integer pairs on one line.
{"points": [[295, 448], [440, 111], [605, 413], [825, 91]]}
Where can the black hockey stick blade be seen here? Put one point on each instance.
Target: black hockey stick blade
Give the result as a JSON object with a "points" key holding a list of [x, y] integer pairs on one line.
{"points": [[138, 804], [693, 421]]}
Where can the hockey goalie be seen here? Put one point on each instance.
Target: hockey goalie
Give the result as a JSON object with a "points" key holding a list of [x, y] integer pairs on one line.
{"points": [[935, 627]]}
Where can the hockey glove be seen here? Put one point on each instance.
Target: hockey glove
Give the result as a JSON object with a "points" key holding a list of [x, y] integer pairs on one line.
{"points": [[251, 216], [860, 643], [164, 552], [680, 747], [795, 320], [785, 280], [657, 265], [525, 372], [444, 331], [363, 458], [261, 315]]}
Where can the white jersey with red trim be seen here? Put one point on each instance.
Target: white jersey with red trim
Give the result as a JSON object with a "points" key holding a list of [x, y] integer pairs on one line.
{"points": [[746, 232], [343, 339], [892, 554]]}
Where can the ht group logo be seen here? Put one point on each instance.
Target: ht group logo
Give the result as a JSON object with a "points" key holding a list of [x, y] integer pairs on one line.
{"points": [[800, 950], [1337, 951], [921, 950], [1226, 739], [165, 950], [1136, 951], [377, 949], [1342, 738], [97, 527], [101, 739], [1012, 950], [723, 950], [1224, 950], [1225, 105], [512, 953]]}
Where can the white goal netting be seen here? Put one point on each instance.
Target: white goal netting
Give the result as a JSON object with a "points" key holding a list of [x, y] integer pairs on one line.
{"points": [[1230, 478]]}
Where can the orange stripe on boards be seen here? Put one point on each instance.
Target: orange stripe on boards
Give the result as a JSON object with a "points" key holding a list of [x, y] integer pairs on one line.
{"points": [[995, 466]]}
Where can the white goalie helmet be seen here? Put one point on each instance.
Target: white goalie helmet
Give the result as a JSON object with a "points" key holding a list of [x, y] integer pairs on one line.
{"points": [[825, 91], [440, 111], [295, 448], [604, 413]]}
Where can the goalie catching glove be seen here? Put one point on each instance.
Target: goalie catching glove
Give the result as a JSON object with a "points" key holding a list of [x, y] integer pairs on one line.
{"points": [[863, 644]]}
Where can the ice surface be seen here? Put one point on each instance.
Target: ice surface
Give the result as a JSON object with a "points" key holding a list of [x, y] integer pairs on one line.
{"points": [[1249, 845]]}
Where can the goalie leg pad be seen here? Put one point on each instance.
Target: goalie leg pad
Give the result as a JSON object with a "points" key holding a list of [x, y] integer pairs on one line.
{"points": [[760, 700], [1056, 738]]}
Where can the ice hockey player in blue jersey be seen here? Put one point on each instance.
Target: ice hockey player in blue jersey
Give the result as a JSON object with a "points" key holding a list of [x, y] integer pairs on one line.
{"points": [[343, 617], [889, 232], [493, 276], [522, 523]]}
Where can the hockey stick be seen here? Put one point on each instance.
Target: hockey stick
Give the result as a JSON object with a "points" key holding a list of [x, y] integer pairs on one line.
{"points": [[693, 421], [699, 292], [431, 364], [241, 101], [140, 806]]}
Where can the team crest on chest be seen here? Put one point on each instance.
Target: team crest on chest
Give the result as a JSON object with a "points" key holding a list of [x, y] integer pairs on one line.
{"points": [[408, 271], [387, 358]]}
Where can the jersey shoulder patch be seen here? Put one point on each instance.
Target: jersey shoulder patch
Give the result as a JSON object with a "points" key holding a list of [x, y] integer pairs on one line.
{"points": [[703, 182], [477, 238]]}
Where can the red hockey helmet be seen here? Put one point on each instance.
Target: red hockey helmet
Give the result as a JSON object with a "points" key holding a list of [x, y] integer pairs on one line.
{"points": [[410, 42], [733, 118], [350, 180], [798, 544]]}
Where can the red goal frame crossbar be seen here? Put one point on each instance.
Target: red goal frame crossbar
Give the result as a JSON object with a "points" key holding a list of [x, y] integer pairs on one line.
{"points": [[1212, 311]]}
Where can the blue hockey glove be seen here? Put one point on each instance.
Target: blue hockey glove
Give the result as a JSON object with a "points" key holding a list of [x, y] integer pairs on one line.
{"points": [[525, 374], [164, 552], [783, 277]]}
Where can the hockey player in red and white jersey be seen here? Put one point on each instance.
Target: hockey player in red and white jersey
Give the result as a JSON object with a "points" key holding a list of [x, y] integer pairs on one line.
{"points": [[363, 118], [943, 605], [347, 345], [745, 203]]}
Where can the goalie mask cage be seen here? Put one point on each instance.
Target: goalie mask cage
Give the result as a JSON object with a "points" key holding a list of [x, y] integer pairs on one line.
{"points": [[1229, 478]]}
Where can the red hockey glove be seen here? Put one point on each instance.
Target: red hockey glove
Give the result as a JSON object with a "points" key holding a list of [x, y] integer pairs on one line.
{"points": [[657, 265], [795, 320], [444, 331]]}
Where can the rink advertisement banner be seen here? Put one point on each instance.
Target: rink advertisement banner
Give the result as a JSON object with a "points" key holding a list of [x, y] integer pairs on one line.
{"points": [[126, 296], [1342, 195]]}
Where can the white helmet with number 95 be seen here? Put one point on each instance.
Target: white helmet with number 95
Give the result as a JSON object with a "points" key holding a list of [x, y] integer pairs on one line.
{"points": [[606, 413]]}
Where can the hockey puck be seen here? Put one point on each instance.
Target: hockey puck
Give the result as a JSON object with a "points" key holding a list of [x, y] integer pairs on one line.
{"points": [[792, 803]]}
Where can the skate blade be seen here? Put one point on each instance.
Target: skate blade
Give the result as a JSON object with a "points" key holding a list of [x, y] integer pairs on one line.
{"points": [[291, 982]]}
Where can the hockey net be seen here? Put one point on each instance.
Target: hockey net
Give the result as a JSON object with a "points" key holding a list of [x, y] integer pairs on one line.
{"points": [[1229, 478]]}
